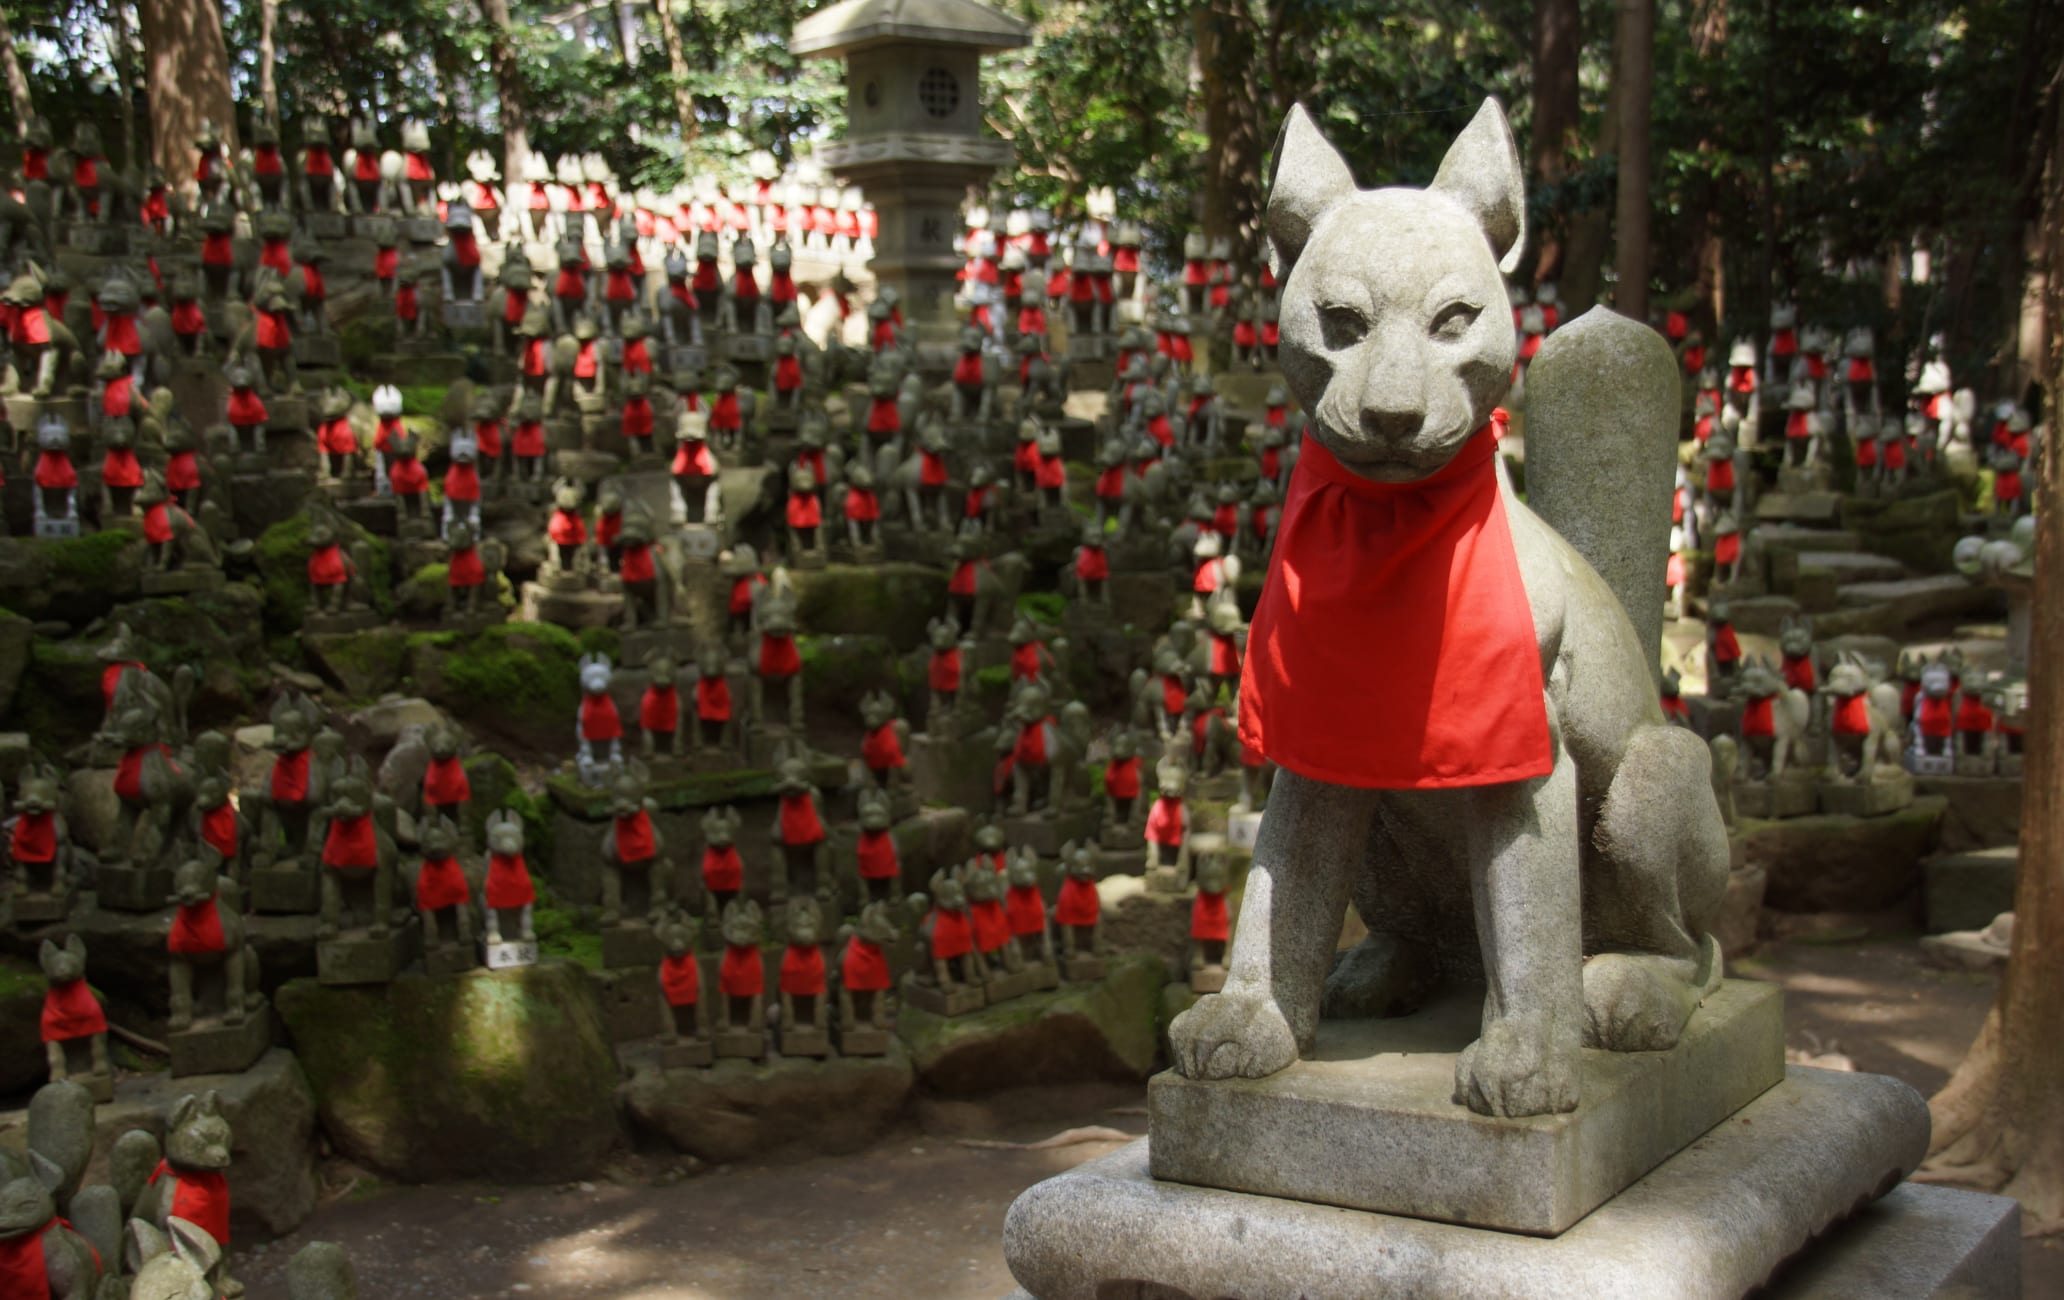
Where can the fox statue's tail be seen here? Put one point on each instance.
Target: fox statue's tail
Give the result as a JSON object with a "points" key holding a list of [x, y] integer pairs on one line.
{"points": [[1601, 455]]}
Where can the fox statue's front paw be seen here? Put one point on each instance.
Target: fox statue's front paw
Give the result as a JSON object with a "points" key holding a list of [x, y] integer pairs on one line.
{"points": [[1519, 1067], [1236, 1034]]}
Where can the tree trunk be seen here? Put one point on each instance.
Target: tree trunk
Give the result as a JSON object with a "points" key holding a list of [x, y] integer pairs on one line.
{"points": [[187, 70], [1558, 44], [120, 48], [268, 83], [1999, 1122], [1233, 183], [677, 67], [1634, 45], [1765, 291], [17, 83], [509, 88]]}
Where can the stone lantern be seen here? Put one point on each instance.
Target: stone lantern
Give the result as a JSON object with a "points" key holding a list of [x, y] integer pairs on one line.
{"points": [[914, 138]]}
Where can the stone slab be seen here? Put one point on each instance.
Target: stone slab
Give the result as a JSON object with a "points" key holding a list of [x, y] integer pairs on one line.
{"points": [[1887, 792], [1711, 1223], [963, 1000], [365, 958], [215, 1048], [1795, 794], [1916, 1242], [626, 946], [1369, 1121], [741, 1044], [119, 888], [863, 1041], [285, 890], [1964, 891], [449, 959]]}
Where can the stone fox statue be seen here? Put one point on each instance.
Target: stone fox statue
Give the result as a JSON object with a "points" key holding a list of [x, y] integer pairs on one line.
{"points": [[1485, 770]]}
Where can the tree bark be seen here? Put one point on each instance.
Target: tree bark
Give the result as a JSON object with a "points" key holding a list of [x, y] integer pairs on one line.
{"points": [[187, 71], [509, 88], [1634, 71], [677, 67], [1999, 1122], [1226, 48], [268, 83], [120, 48], [17, 83], [1558, 44]]}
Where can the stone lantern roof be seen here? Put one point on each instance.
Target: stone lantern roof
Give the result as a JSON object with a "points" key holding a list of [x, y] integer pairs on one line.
{"points": [[863, 24]]}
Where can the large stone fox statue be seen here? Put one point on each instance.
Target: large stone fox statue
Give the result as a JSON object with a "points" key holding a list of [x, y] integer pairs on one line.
{"points": [[1465, 716]]}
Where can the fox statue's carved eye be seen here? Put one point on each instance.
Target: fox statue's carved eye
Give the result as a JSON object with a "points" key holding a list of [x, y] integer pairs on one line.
{"points": [[1453, 321], [1342, 327]]}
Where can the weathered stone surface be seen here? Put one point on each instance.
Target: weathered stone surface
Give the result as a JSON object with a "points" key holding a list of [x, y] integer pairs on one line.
{"points": [[1917, 1240], [737, 1108], [1104, 1030], [16, 634], [271, 1112], [1890, 607], [21, 1013], [1741, 911], [361, 664], [378, 726], [1964, 891], [891, 601], [1368, 1119], [1710, 1223], [129, 955], [494, 1074], [1983, 812], [1133, 920], [1843, 864]]}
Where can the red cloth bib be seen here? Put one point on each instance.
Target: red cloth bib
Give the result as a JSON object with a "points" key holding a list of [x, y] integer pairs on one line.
{"points": [[1727, 549], [1025, 910], [1400, 611], [1225, 655], [634, 839], [196, 930], [692, 460], [1121, 778], [290, 777], [724, 414], [129, 773], [723, 871], [466, 569], [805, 510], [351, 842], [567, 528], [1758, 717], [1174, 698], [1207, 579], [1935, 716], [326, 566], [1720, 475], [742, 592], [1726, 646], [599, 719], [952, 934], [741, 974], [1165, 821], [880, 749], [34, 838], [201, 1197], [1078, 903], [1093, 563], [71, 1011], [246, 408], [441, 883], [1972, 715], [779, 657], [1031, 748], [1851, 715], [992, 926], [883, 417], [964, 579], [968, 370], [862, 505], [55, 471], [336, 438], [1799, 672], [1024, 662], [444, 782], [680, 980], [877, 856], [800, 824], [864, 968], [122, 336], [508, 882], [183, 471], [931, 469], [713, 699], [1208, 918], [659, 709], [802, 970], [943, 673]]}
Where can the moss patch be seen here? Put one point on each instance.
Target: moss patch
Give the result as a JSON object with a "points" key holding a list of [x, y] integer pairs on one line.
{"points": [[1105, 1030], [91, 560], [282, 558]]}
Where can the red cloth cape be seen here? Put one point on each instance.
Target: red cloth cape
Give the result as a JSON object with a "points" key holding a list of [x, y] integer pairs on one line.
{"points": [[1078, 903], [952, 934], [1208, 918], [1025, 909], [440, 883], [877, 854], [196, 929], [722, 870], [508, 882], [351, 842], [802, 970], [680, 980], [444, 781], [1165, 821], [741, 974], [634, 841], [800, 823], [201, 1197], [864, 968], [71, 1011]]}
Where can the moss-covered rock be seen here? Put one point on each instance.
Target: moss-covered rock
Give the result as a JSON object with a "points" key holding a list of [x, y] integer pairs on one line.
{"points": [[1843, 864], [74, 579], [1918, 531], [21, 1013], [881, 600], [282, 559], [515, 680], [361, 664], [1104, 1030], [494, 1074], [739, 1108], [16, 635]]}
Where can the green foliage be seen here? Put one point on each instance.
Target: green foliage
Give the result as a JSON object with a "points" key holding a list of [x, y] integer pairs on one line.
{"points": [[88, 560], [525, 669], [1042, 606]]}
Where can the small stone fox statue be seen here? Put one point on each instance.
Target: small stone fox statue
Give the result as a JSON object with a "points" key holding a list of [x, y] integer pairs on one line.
{"points": [[72, 1015]]}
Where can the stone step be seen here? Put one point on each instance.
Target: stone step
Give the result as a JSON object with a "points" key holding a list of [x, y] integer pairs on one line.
{"points": [[1854, 566]]}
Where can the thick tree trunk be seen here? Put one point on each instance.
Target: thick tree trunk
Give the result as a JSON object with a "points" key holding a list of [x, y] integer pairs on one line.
{"points": [[677, 66], [1999, 1122], [1558, 44], [509, 88], [121, 49], [17, 83], [187, 71], [268, 54], [1634, 68], [1226, 48]]}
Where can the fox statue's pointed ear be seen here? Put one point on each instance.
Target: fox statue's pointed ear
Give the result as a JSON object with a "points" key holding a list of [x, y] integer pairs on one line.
{"points": [[1307, 177], [1482, 173]]}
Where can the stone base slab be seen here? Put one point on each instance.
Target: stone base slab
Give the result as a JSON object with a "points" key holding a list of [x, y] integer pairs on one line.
{"points": [[960, 1000], [118, 888], [285, 890], [212, 1047], [1795, 794], [1887, 792], [864, 1041], [1369, 1120], [449, 958], [1711, 1223], [366, 958]]}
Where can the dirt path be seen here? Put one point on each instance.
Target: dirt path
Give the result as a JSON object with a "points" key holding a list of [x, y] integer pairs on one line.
{"points": [[919, 1215]]}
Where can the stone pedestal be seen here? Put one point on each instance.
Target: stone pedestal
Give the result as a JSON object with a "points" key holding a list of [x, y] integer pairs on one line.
{"points": [[41, 908], [803, 1040], [1719, 1219], [1082, 967], [510, 953], [959, 1000], [1045, 832], [285, 888], [1795, 794], [625, 946], [118, 887], [740, 1044], [862, 1040], [212, 1047], [449, 959], [365, 958], [1313, 1132], [1887, 792]]}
